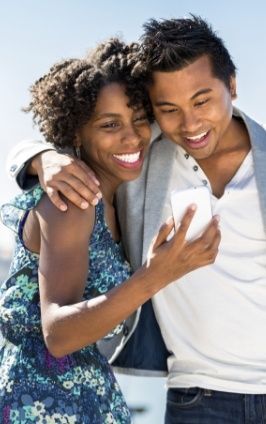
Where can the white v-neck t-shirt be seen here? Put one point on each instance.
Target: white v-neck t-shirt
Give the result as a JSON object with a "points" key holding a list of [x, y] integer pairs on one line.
{"points": [[213, 320]]}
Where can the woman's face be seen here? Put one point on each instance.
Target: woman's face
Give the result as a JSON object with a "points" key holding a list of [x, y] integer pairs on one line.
{"points": [[116, 138]]}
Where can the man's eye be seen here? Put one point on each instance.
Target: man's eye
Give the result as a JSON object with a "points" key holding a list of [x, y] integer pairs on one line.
{"points": [[202, 102]]}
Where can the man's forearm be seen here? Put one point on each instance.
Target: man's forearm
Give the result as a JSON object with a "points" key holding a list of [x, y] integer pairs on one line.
{"points": [[19, 160]]}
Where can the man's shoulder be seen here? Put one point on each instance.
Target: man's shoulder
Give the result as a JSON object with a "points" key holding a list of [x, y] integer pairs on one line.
{"points": [[155, 131], [256, 130], [157, 137], [247, 119]]}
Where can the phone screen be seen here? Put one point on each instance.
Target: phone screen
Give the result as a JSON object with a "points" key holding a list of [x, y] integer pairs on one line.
{"points": [[181, 199]]}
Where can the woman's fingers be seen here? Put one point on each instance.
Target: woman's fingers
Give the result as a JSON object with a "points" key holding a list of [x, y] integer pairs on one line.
{"points": [[211, 238], [185, 222], [203, 250], [163, 233]]}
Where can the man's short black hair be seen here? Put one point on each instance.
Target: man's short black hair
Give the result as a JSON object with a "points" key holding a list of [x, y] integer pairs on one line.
{"points": [[172, 44]]}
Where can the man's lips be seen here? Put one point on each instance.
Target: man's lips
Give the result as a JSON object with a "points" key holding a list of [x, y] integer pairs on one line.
{"points": [[198, 141]]}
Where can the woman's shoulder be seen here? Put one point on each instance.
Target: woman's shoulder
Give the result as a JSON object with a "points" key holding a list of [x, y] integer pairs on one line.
{"points": [[74, 223], [12, 212]]}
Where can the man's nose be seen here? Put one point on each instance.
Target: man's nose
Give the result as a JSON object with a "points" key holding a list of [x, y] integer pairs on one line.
{"points": [[190, 121]]}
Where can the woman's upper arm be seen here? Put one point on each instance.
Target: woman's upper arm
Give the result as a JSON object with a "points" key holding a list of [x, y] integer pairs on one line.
{"points": [[64, 263]]}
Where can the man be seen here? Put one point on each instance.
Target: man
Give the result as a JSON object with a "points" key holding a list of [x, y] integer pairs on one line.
{"points": [[212, 322]]}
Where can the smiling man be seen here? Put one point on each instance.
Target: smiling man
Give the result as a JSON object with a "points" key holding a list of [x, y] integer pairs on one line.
{"points": [[212, 321]]}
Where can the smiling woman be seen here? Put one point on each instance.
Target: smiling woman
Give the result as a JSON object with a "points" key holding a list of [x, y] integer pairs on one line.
{"points": [[114, 144], [93, 105]]}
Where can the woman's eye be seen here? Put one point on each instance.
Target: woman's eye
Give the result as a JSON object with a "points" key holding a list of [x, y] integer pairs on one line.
{"points": [[109, 125], [140, 118], [169, 110]]}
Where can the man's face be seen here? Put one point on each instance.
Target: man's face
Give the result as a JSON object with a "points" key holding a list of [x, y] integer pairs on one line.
{"points": [[193, 108]]}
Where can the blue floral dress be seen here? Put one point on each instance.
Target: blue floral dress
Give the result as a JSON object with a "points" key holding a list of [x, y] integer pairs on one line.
{"points": [[35, 387]]}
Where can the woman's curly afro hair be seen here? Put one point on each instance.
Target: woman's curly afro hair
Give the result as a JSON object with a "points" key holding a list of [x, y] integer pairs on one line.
{"points": [[64, 99]]}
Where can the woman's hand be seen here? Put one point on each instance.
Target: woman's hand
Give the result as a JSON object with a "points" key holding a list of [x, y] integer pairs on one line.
{"points": [[62, 173], [70, 323], [174, 258]]}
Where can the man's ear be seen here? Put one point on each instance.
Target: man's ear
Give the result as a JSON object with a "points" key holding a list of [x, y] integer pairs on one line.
{"points": [[233, 88]]}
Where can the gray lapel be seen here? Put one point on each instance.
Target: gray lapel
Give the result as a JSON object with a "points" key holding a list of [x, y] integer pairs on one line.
{"points": [[159, 171], [258, 142]]}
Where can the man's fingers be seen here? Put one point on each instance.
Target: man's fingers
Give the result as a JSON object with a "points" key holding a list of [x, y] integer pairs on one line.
{"points": [[78, 176], [80, 189], [83, 186], [63, 174], [56, 199], [72, 195], [90, 173]]}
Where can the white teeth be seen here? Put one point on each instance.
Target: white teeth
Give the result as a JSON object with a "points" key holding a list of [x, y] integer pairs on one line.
{"points": [[197, 137], [130, 158]]}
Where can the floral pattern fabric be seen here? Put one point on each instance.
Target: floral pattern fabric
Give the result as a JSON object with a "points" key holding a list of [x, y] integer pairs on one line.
{"points": [[35, 387]]}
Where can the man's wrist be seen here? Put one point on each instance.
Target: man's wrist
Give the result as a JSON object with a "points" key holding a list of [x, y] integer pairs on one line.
{"points": [[36, 163], [24, 180]]}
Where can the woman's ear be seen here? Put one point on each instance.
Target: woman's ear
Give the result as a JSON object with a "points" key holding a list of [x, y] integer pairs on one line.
{"points": [[77, 144], [77, 141]]}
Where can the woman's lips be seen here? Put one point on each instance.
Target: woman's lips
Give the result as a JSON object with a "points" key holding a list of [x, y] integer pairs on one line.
{"points": [[129, 160]]}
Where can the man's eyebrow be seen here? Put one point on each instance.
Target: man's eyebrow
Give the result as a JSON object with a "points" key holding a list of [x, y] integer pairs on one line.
{"points": [[198, 93], [163, 103]]}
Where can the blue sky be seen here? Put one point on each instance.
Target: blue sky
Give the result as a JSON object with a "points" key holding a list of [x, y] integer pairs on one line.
{"points": [[35, 34]]}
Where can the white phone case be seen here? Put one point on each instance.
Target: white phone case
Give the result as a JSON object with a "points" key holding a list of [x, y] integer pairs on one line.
{"points": [[181, 199]]}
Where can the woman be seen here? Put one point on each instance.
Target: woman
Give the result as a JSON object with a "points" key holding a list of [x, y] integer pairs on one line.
{"points": [[64, 292]]}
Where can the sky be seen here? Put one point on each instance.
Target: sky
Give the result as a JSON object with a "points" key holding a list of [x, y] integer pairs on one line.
{"points": [[36, 34]]}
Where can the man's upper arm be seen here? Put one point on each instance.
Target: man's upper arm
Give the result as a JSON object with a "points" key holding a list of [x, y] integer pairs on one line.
{"points": [[19, 159]]}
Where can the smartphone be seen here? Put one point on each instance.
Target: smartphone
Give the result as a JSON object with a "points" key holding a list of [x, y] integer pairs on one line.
{"points": [[181, 199]]}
